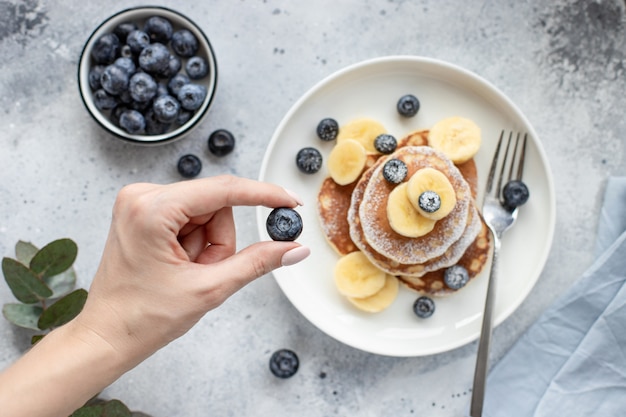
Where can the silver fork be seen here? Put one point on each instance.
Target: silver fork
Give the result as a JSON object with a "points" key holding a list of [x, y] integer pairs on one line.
{"points": [[499, 219]]}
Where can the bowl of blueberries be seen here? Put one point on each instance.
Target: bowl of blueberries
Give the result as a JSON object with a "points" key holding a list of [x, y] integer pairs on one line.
{"points": [[147, 75]]}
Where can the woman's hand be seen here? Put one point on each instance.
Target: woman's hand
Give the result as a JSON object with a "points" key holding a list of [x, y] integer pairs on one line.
{"points": [[171, 256]]}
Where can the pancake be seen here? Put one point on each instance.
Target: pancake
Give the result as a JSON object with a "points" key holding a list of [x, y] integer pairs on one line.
{"points": [[371, 209]]}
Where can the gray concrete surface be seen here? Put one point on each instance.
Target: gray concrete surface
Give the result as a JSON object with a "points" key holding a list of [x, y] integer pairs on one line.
{"points": [[561, 61]]}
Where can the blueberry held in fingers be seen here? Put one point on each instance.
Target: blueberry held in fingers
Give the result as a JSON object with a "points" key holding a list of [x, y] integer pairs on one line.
{"points": [[515, 193], [284, 224], [284, 363]]}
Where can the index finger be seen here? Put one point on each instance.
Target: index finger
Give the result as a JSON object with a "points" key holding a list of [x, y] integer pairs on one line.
{"points": [[206, 195]]}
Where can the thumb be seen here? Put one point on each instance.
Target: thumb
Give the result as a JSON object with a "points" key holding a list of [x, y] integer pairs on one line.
{"points": [[254, 261]]}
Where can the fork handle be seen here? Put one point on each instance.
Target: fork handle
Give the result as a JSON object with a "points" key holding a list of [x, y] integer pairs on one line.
{"points": [[482, 358]]}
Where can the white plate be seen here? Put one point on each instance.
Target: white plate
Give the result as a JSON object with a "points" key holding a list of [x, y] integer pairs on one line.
{"points": [[371, 89]]}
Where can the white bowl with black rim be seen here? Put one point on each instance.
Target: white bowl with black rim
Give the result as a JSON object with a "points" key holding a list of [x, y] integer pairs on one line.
{"points": [[138, 16]]}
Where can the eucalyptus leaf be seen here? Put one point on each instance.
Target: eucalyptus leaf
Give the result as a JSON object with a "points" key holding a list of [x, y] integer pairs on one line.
{"points": [[24, 251], [64, 310], [112, 408], [62, 283], [139, 414], [22, 315], [36, 338], [54, 258], [24, 284]]}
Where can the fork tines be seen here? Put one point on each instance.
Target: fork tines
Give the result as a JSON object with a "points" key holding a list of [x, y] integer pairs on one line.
{"points": [[515, 171]]}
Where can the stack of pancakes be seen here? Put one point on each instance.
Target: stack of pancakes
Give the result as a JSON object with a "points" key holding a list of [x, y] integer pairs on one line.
{"points": [[353, 218]]}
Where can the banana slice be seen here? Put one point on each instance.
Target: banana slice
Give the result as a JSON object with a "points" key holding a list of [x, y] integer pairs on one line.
{"points": [[346, 161], [402, 216], [457, 137], [364, 131], [380, 300], [356, 276], [430, 179]]}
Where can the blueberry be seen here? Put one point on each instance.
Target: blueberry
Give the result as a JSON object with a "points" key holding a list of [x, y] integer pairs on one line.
{"points": [[159, 29], [424, 307], [173, 66], [284, 224], [455, 277], [142, 87], [408, 105], [395, 171], [515, 193], [191, 96], [116, 113], [123, 29], [183, 117], [154, 58], [103, 100], [385, 143], [221, 142], [309, 160], [327, 129], [166, 108], [127, 64], [162, 89], [126, 52], [114, 79], [184, 43], [284, 363], [176, 82], [189, 166], [197, 67], [429, 201], [132, 121], [105, 49], [153, 125], [94, 75], [137, 40]]}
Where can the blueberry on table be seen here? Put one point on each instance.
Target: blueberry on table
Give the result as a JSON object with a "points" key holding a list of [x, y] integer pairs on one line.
{"points": [[132, 121], [137, 40], [197, 67], [166, 108], [105, 49], [284, 363], [154, 58], [189, 166], [184, 43], [142, 87], [429, 201], [309, 160], [159, 29], [221, 142], [395, 171], [191, 96], [284, 224], [385, 143], [515, 193], [455, 277], [424, 307], [327, 129], [114, 79], [408, 105]]}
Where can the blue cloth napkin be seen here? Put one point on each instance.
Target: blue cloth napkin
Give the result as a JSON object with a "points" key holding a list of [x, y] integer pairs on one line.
{"points": [[572, 361]]}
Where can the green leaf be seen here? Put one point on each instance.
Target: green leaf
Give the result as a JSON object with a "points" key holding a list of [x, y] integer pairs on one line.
{"points": [[112, 408], [23, 315], [36, 338], [24, 251], [54, 258], [64, 310], [62, 283], [24, 284], [139, 414]]}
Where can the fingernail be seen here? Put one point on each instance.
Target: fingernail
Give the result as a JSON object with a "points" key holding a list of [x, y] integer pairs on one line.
{"points": [[295, 197], [295, 255]]}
